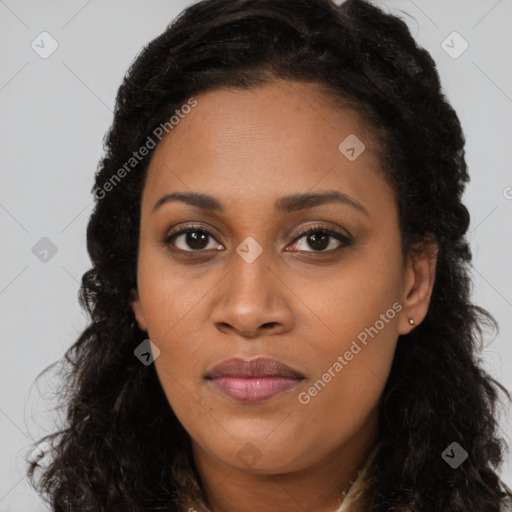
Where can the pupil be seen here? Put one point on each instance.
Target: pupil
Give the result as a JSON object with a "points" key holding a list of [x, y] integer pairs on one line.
{"points": [[324, 238], [193, 237]]}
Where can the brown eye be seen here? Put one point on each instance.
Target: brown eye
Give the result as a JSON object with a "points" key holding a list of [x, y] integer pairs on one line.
{"points": [[191, 239], [319, 238]]}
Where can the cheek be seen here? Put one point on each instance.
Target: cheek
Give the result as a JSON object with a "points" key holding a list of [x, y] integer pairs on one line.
{"points": [[196, 415], [171, 299], [348, 302], [342, 397], [359, 312], [179, 369]]}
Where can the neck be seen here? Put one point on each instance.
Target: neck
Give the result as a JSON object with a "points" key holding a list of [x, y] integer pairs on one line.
{"points": [[317, 488]]}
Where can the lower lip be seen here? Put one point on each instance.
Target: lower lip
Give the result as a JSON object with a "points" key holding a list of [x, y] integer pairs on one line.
{"points": [[253, 389]]}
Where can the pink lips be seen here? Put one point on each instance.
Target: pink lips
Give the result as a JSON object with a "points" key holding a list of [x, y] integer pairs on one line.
{"points": [[253, 380]]}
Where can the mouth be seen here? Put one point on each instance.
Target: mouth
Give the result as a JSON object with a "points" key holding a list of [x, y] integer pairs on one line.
{"points": [[253, 380]]}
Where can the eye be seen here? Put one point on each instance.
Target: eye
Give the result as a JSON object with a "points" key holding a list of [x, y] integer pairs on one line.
{"points": [[320, 238], [192, 236]]}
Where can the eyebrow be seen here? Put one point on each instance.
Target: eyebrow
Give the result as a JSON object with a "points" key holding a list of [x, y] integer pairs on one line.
{"points": [[284, 204]]}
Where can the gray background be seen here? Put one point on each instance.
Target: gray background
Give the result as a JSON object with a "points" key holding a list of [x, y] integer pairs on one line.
{"points": [[55, 112]]}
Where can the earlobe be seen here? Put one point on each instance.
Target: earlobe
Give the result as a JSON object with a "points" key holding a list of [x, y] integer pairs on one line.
{"points": [[418, 285], [137, 309]]}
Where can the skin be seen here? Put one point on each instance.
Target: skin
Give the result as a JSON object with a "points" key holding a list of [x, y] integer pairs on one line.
{"points": [[247, 149]]}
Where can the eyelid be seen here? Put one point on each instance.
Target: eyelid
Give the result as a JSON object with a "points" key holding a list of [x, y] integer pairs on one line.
{"points": [[192, 225], [325, 228]]}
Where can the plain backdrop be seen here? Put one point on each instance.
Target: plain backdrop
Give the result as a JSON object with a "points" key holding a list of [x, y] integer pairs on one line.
{"points": [[56, 110]]}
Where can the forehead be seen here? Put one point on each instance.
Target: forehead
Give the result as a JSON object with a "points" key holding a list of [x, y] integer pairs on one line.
{"points": [[279, 138]]}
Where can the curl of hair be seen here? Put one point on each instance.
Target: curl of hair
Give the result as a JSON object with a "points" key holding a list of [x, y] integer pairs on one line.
{"points": [[122, 448]]}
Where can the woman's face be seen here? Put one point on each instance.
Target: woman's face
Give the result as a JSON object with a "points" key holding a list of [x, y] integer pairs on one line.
{"points": [[244, 283]]}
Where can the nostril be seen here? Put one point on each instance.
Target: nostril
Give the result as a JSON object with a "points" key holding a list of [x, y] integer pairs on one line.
{"points": [[269, 324]]}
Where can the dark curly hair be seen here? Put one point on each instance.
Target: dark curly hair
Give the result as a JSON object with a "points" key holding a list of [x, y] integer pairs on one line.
{"points": [[122, 447]]}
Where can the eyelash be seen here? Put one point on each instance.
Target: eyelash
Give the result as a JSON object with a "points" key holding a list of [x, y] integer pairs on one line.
{"points": [[346, 241]]}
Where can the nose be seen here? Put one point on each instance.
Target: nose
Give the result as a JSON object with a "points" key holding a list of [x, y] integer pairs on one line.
{"points": [[252, 300]]}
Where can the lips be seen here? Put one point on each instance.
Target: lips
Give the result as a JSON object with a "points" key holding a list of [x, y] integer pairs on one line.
{"points": [[253, 380], [258, 367]]}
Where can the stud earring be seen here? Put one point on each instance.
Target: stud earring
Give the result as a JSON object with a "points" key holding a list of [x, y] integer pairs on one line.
{"points": [[411, 321]]}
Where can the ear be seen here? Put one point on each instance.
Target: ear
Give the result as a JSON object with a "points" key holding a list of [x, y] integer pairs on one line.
{"points": [[137, 309], [419, 278]]}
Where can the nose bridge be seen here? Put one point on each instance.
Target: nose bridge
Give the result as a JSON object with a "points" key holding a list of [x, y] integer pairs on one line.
{"points": [[251, 295], [251, 281]]}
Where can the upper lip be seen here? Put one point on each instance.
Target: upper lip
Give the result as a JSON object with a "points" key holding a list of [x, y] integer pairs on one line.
{"points": [[256, 367]]}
